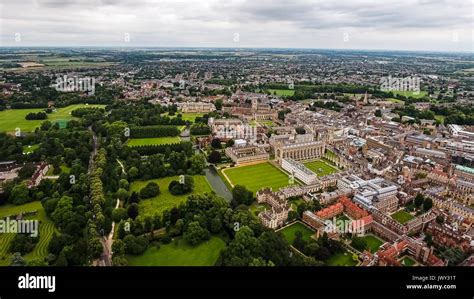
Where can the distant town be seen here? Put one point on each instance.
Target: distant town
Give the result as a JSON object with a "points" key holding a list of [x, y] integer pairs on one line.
{"points": [[237, 157]]}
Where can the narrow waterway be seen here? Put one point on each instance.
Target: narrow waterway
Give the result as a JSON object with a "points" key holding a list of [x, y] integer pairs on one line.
{"points": [[217, 183]]}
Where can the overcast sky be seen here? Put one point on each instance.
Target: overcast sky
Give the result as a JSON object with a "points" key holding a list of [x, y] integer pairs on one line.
{"points": [[436, 25]]}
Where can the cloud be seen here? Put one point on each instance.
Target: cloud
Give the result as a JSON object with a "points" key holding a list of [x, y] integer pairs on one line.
{"points": [[372, 24]]}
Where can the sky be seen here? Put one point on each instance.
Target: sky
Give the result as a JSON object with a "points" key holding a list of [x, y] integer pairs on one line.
{"points": [[432, 25]]}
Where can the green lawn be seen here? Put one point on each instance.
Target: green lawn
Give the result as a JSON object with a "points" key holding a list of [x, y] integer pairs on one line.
{"points": [[179, 253], [396, 101], [185, 116], [165, 200], [412, 94], [402, 216], [30, 148], [15, 118], [289, 231], [373, 243], [440, 118], [282, 92], [407, 261], [46, 230], [321, 168], [343, 217], [256, 208], [341, 259], [190, 116], [153, 141], [257, 176]]}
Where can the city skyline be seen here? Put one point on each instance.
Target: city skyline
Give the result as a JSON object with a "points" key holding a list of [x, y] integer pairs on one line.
{"points": [[405, 26]]}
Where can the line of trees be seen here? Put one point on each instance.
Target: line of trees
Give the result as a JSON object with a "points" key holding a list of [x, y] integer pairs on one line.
{"points": [[153, 131]]}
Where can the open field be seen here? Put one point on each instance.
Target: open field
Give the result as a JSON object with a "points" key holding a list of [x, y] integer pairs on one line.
{"points": [[407, 261], [373, 243], [179, 253], [15, 118], [185, 116], [153, 141], [341, 259], [190, 116], [289, 231], [282, 92], [46, 230], [396, 101], [30, 148], [402, 216], [412, 94], [320, 168], [165, 200], [257, 176]]}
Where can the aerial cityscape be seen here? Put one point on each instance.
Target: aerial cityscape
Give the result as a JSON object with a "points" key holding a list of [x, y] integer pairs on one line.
{"points": [[189, 153]]}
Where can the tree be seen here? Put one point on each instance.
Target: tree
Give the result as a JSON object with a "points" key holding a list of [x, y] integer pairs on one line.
{"points": [[198, 163], [95, 248], [419, 200], [20, 194], [119, 214], [240, 195], [440, 219], [298, 242], [214, 157], [359, 243], [216, 143], [229, 143], [133, 172], [300, 130], [218, 104], [122, 194], [135, 245], [26, 171], [378, 113], [150, 190], [181, 187], [427, 204], [63, 212], [195, 234], [132, 211]]}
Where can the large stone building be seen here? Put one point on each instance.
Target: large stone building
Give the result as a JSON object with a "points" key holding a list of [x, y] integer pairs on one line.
{"points": [[197, 107], [375, 193], [246, 154], [300, 171], [277, 215], [300, 151]]}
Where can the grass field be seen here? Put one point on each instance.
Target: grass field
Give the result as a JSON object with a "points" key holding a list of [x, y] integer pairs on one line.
{"points": [[289, 232], [407, 261], [46, 230], [373, 243], [282, 92], [179, 253], [412, 94], [440, 118], [153, 141], [165, 200], [190, 116], [257, 176], [320, 168], [341, 259], [396, 101], [402, 216], [30, 148], [15, 118]]}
